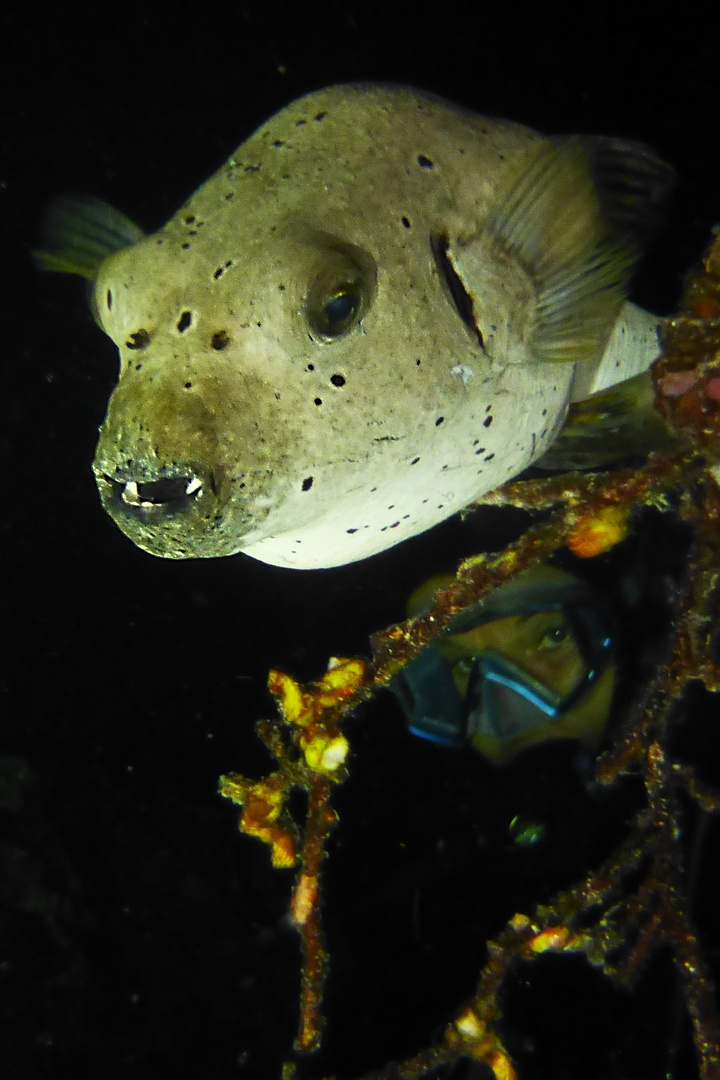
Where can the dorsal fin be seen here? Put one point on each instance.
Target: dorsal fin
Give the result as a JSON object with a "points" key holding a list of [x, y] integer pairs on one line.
{"points": [[79, 232]]}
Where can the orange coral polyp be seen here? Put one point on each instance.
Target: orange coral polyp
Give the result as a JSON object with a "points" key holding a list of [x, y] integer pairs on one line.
{"points": [[599, 531]]}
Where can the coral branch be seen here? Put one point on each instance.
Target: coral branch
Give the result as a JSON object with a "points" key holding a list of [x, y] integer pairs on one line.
{"points": [[311, 757], [620, 914]]}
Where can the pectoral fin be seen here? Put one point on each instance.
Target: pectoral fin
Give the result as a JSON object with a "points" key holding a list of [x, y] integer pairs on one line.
{"points": [[612, 424], [546, 277]]}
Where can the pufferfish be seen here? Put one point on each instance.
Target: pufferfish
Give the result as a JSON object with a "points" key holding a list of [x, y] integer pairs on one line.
{"points": [[378, 309]]}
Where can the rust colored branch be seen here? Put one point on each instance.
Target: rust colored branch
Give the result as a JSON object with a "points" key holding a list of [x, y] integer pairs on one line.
{"points": [[616, 926]]}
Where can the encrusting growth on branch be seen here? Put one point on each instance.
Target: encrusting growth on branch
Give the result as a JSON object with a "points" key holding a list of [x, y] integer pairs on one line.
{"points": [[600, 916]]}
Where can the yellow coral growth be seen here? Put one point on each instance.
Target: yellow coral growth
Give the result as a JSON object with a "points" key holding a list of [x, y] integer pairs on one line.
{"points": [[479, 1041], [555, 939], [323, 747], [263, 804], [325, 753], [502, 1066], [304, 705], [599, 531]]}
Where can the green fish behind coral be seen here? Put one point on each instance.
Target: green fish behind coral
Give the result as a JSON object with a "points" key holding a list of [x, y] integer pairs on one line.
{"points": [[380, 308]]}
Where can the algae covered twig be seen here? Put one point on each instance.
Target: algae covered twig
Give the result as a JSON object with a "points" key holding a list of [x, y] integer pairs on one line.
{"points": [[310, 751], [616, 927], [620, 913]]}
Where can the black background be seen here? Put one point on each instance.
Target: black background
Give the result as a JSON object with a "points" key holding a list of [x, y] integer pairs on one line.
{"points": [[142, 937]]}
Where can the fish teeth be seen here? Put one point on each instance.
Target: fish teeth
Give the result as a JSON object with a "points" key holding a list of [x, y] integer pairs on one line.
{"points": [[132, 494]]}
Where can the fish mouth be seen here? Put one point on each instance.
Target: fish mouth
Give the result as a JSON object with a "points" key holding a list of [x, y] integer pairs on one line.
{"points": [[163, 497], [174, 513], [177, 511]]}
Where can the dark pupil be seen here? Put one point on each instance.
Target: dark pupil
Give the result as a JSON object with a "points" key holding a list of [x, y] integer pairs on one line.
{"points": [[340, 310]]}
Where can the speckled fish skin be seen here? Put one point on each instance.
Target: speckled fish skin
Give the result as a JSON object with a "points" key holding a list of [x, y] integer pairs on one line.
{"points": [[237, 425]]}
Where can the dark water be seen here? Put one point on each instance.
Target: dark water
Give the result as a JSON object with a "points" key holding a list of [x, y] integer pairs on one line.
{"points": [[141, 937]]}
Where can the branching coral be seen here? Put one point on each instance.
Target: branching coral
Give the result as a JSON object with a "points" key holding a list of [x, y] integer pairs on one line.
{"points": [[614, 925]]}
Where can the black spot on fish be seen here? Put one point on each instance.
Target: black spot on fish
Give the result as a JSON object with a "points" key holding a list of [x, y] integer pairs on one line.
{"points": [[425, 162], [220, 340], [415, 461], [406, 222], [140, 339], [320, 116], [439, 421], [184, 321], [221, 269], [318, 401], [337, 380], [307, 483], [487, 421]]}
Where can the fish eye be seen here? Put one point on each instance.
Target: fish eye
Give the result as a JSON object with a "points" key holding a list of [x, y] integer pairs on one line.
{"points": [[340, 293], [339, 312]]}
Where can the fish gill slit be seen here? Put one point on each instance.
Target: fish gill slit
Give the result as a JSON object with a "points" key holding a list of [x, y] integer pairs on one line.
{"points": [[455, 290]]}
